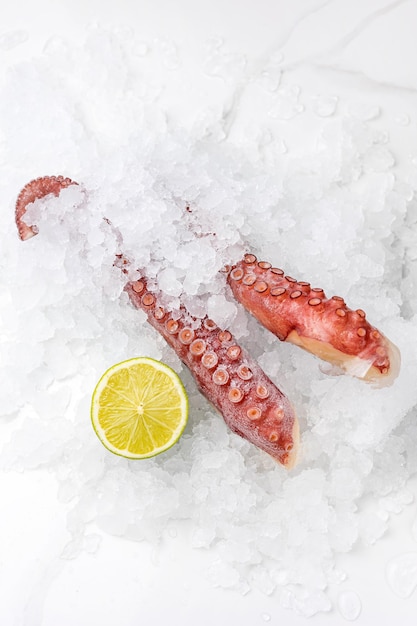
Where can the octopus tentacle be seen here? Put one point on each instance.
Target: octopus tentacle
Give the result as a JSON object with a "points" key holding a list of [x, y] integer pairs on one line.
{"points": [[251, 405], [302, 315]]}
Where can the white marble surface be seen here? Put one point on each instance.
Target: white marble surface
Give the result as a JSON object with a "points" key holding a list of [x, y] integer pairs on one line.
{"points": [[361, 52]]}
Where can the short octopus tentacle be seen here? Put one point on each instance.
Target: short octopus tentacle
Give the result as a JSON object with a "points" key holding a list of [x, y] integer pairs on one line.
{"points": [[302, 315], [251, 405]]}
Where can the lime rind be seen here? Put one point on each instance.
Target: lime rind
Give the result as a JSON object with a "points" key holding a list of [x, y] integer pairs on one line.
{"points": [[182, 406]]}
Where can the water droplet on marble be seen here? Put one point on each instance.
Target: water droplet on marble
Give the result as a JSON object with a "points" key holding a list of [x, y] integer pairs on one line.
{"points": [[402, 120], [349, 605], [325, 106], [380, 136], [266, 617], [286, 103], [270, 79], [401, 573], [363, 111]]}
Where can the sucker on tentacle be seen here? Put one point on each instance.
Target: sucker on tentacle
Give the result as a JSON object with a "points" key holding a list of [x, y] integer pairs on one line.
{"points": [[251, 405], [302, 315]]}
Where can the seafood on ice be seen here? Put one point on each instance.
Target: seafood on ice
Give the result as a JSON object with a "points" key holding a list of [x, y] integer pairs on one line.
{"points": [[302, 315], [250, 403]]}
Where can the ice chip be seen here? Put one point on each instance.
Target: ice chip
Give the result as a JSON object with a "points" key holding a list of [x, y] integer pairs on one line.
{"points": [[221, 310]]}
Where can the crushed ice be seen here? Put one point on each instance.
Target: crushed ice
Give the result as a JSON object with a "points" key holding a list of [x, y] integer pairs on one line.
{"points": [[181, 202]]}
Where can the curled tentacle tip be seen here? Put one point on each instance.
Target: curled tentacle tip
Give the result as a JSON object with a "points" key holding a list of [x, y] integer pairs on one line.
{"points": [[35, 190], [25, 231]]}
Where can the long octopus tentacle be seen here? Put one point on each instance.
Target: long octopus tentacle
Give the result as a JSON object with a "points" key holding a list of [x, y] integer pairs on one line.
{"points": [[302, 315], [251, 405]]}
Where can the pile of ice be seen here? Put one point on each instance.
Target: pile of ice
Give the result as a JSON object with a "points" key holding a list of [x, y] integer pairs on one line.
{"points": [[337, 216]]}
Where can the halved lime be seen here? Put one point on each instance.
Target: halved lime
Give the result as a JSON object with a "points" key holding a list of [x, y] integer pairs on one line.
{"points": [[139, 408]]}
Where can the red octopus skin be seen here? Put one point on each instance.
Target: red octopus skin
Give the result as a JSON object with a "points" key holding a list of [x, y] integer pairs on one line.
{"points": [[251, 405], [295, 312]]}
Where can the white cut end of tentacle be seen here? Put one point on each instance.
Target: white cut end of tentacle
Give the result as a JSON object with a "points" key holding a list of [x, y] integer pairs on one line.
{"points": [[356, 366]]}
